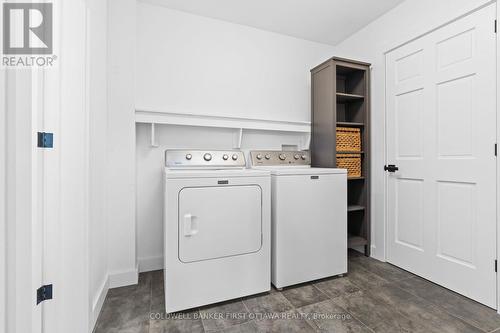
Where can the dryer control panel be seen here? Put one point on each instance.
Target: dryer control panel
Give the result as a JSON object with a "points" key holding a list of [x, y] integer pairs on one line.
{"points": [[272, 157], [204, 159]]}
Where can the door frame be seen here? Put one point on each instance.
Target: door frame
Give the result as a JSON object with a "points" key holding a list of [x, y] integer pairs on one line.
{"points": [[66, 102], [3, 196], [467, 12], [498, 162]]}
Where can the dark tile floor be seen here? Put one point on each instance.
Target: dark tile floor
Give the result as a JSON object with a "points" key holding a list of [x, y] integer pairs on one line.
{"points": [[373, 297]]}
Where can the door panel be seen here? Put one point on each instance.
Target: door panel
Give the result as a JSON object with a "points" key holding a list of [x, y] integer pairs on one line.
{"points": [[441, 131], [216, 222], [410, 218]]}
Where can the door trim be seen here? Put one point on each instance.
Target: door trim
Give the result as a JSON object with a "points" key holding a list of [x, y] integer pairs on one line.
{"points": [[385, 189], [466, 13], [3, 195], [498, 163]]}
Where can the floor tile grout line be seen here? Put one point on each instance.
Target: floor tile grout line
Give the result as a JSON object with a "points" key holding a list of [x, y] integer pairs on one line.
{"points": [[380, 276], [396, 310], [363, 323], [324, 294], [232, 326], [442, 308], [347, 294], [365, 291], [430, 303], [246, 307], [422, 298]]}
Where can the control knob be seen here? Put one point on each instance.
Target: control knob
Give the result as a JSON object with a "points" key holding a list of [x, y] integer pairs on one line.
{"points": [[282, 157], [259, 156], [234, 157], [303, 157], [189, 157], [268, 157], [296, 156], [207, 157], [225, 157]]}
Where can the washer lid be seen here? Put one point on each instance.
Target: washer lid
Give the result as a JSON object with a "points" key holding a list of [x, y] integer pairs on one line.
{"points": [[289, 171], [217, 173]]}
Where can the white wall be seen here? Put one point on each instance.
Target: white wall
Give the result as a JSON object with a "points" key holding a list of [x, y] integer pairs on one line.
{"points": [[192, 64], [97, 94], [150, 163], [407, 21], [120, 192]]}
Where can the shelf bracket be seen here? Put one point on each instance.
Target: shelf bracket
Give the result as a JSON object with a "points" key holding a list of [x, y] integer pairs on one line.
{"points": [[154, 144], [238, 139], [305, 141]]}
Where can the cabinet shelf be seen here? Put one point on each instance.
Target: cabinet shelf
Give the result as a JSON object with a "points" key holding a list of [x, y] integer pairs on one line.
{"points": [[355, 208], [350, 152], [355, 178], [344, 98], [354, 241], [349, 124]]}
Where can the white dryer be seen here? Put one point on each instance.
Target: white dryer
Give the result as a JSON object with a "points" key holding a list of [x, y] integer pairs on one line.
{"points": [[217, 228], [309, 217]]}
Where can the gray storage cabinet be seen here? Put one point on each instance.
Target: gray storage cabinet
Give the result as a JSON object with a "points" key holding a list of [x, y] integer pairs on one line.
{"points": [[341, 97]]}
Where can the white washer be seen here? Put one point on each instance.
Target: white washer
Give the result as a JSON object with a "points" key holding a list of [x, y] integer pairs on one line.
{"points": [[309, 217], [217, 228]]}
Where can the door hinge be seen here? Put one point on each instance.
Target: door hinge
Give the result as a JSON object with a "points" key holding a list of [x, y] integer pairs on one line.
{"points": [[496, 149], [495, 26], [43, 293], [496, 266], [45, 140]]}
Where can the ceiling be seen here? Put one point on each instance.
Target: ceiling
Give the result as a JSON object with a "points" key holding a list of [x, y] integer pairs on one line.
{"points": [[324, 21]]}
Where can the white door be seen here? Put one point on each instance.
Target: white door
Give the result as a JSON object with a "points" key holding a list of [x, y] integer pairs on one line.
{"points": [[217, 222], [441, 129]]}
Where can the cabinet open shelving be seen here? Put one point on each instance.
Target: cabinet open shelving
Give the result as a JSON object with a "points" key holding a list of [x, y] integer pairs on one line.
{"points": [[348, 82], [343, 97], [350, 152], [350, 124], [355, 208], [355, 241]]}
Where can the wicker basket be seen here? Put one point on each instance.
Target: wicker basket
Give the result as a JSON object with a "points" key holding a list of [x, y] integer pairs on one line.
{"points": [[351, 162], [348, 139]]}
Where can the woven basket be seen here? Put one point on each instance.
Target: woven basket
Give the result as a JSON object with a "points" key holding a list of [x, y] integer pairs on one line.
{"points": [[351, 162], [348, 139]]}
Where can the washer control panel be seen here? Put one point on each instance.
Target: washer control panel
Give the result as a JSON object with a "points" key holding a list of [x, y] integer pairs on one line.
{"points": [[271, 157], [204, 159]]}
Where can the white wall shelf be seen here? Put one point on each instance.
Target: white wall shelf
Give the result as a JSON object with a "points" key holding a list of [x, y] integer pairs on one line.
{"points": [[239, 124]]}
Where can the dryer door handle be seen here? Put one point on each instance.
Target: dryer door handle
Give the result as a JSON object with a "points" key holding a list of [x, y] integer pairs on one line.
{"points": [[190, 225]]}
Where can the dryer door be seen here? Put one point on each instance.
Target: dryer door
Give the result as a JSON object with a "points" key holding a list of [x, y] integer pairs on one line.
{"points": [[217, 222]]}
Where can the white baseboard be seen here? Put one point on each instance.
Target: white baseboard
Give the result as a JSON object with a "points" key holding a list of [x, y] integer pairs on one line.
{"points": [[113, 280], [148, 264], [121, 279], [98, 302]]}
